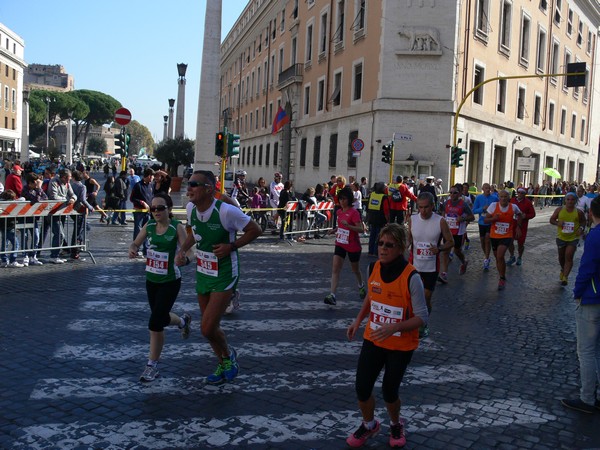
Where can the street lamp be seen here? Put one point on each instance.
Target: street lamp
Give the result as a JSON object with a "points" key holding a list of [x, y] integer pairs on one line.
{"points": [[48, 100], [25, 127]]}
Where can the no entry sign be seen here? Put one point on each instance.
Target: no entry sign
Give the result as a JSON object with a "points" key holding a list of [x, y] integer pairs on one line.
{"points": [[122, 116]]}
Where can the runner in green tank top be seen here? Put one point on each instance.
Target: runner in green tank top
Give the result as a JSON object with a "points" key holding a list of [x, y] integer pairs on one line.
{"points": [[164, 236], [213, 227]]}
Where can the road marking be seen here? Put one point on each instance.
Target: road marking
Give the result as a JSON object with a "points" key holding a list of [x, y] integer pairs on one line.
{"points": [[61, 388], [115, 352], [243, 430], [318, 293]]}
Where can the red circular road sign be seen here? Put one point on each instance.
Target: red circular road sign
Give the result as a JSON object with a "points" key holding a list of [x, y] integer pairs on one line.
{"points": [[122, 116], [357, 145]]}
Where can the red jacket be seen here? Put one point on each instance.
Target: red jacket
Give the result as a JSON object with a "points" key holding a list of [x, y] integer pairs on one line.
{"points": [[405, 192], [14, 183]]}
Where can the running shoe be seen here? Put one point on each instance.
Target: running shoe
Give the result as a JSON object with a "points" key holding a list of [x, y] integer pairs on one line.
{"points": [[230, 366], [467, 244], [234, 302], [443, 277], [423, 332], [330, 300], [397, 437], [578, 405], [26, 261], [35, 262], [362, 292], [15, 264], [501, 284], [217, 376], [451, 255], [185, 329], [150, 374], [463, 267], [486, 264], [564, 282], [511, 260], [360, 436], [519, 261]]}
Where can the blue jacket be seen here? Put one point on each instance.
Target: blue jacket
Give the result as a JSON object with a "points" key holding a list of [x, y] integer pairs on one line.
{"points": [[587, 283], [481, 202]]}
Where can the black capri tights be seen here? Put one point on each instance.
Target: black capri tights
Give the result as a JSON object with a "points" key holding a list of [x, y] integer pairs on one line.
{"points": [[370, 362], [161, 297]]}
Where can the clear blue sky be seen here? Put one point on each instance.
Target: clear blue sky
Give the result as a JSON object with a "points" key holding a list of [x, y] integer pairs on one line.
{"points": [[128, 49]]}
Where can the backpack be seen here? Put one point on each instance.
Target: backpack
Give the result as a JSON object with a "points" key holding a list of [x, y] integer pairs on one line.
{"points": [[396, 195]]}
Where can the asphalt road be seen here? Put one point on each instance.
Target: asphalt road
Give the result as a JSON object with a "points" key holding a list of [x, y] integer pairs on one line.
{"points": [[74, 341]]}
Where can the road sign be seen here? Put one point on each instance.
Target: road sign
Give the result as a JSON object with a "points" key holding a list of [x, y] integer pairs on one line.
{"points": [[357, 145], [527, 164], [402, 137], [122, 116]]}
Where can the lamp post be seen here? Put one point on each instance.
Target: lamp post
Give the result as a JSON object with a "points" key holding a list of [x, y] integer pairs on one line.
{"points": [[179, 121], [69, 149], [25, 127], [165, 131], [48, 100], [171, 110]]}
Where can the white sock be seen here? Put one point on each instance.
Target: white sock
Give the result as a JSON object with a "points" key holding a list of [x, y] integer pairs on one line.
{"points": [[181, 322], [370, 425], [152, 363]]}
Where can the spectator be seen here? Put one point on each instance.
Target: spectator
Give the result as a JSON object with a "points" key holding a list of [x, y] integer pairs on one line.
{"points": [[120, 192], [141, 197], [92, 187], [33, 193], [378, 213], [60, 189], [13, 180], [286, 195], [9, 235], [83, 207]]}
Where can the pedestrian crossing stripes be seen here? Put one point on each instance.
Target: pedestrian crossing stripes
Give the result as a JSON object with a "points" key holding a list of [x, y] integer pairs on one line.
{"points": [[61, 388], [318, 426]]}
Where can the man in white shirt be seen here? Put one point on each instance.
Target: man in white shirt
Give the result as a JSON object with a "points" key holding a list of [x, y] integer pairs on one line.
{"points": [[275, 189]]}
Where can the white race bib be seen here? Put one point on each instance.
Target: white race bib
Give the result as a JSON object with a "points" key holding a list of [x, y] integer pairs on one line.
{"points": [[501, 227], [423, 251], [207, 263], [342, 236], [568, 227], [382, 314], [157, 262], [452, 222]]}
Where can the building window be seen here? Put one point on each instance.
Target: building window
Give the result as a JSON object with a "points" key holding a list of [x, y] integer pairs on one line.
{"points": [[306, 100], [588, 48], [570, 22], [320, 95], [481, 19], [537, 110], [281, 60], [338, 37], [358, 80], [521, 104], [272, 69], [303, 152], [567, 62], [501, 106], [525, 36], [573, 125], [541, 51], [260, 154], [323, 34], [294, 50], [551, 116], [267, 154], [6, 99], [309, 36], [557, 12], [554, 62], [271, 112], [282, 24], [275, 153], [359, 21], [337, 89], [479, 77], [317, 151], [582, 131], [351, 158], [333, 150], [563, 121], [14, 100], [544, 5], [505, 25], [580, 34], [256, 115], [263, 116]]}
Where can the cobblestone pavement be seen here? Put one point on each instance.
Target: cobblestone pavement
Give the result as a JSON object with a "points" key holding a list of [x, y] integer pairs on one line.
{"points": [[73, 343]]}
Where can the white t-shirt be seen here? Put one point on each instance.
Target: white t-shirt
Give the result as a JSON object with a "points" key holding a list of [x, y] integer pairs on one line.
{"points": [[232, 218], [357, 203], [274, 192]]}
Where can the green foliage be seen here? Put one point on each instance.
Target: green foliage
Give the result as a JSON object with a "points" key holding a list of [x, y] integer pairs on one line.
{"points": [[140, 137], [175, 152], [96, 146]]}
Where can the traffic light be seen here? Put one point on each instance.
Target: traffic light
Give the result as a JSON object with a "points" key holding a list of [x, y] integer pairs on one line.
{"points": [[233, 144], [386, 153], [119, 143], [220, 144], [576, 80], [456, 156]]}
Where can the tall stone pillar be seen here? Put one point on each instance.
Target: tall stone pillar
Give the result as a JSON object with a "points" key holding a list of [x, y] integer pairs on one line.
{"points": [[207, 122], [165, 131], [171, 109], [69, 149], [25, 128], [180, 118]]}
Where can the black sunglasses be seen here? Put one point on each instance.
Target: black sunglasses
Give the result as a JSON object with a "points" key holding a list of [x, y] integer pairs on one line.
{"points": [[386, 244], [158, 208], [194, 184]]}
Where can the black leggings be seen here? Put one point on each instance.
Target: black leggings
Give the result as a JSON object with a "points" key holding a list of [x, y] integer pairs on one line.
{"points": [[370, 362], [161, 297]]}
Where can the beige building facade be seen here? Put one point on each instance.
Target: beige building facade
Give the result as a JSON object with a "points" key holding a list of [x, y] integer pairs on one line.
{"points": [[12, 65], [353, 75]]}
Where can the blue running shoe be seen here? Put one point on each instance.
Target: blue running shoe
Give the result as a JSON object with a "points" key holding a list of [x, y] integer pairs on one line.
{"points": [[230, 366], [511, 261], [217, 377]]}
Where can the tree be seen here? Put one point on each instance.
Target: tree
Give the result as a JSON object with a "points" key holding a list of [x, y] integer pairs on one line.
{"points": [[102, 111], [96, 146], [175, 152], [140, 138]]}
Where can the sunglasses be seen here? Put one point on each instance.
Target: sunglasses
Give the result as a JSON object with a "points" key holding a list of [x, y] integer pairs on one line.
{"points": [[194, 184], [386, 244], [159, 208], [454, 192]]}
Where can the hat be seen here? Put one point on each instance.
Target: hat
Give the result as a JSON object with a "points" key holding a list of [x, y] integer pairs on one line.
{"points": [[523, 190], [17, 167], [429, 178], [277, 174], [439, 180]]}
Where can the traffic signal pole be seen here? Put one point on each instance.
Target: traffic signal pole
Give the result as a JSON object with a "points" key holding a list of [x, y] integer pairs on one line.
{"points": [[512, 77], [391, 178], [223, 160]]}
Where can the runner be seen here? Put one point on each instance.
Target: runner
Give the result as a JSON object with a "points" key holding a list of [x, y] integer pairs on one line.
{"points": [[500, 216], [528, 211], [570, 223], [163, 278], [347, 241], [214, 225], [425, 232], [457, 213], [482, 201], [396, 309]]}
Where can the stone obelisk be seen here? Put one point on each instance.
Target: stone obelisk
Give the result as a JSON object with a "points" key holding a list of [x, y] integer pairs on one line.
{"points": [[207, 122]]}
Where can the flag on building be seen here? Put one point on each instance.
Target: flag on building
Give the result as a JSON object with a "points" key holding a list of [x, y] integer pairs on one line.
{"points": [[281, 118]]}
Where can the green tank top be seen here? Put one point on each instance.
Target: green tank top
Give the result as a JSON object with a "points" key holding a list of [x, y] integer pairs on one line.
{"points": [[207, 234], [160, 256], [568, 232]]}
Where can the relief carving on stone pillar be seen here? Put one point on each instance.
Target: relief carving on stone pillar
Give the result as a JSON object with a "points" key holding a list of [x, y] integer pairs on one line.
{"points": [[420, 41]]}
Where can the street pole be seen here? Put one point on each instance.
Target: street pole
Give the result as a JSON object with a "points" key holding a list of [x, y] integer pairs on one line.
{"points": [[48, 126], [392, 163]]}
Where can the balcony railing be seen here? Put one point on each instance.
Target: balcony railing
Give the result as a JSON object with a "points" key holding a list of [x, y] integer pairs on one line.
{"points": [[291, 75]]}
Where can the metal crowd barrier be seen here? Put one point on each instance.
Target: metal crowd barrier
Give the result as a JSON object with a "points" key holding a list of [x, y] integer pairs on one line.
{"points": [[27, 229]]}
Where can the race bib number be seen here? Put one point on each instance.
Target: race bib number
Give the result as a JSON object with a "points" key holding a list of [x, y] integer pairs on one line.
{"points": [[342, 236], [382, 314], [568, 227], [157, 262], [452, 222], [207, 263], [424, 252], [502, 227]]}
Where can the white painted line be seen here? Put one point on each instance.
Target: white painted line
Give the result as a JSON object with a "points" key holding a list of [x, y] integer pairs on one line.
{"points": [[244, 430], [285, 291], [62, 388], [112, 352]]}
